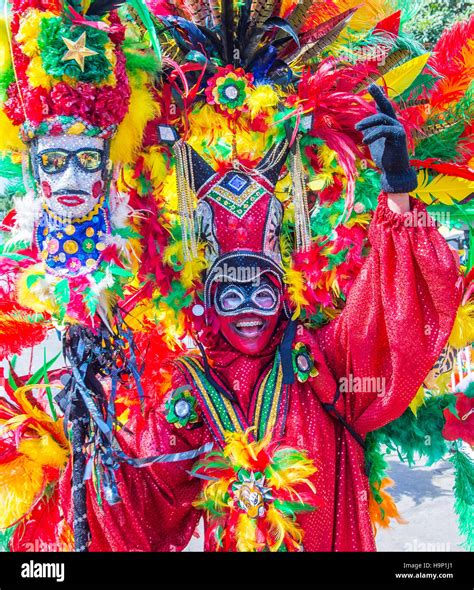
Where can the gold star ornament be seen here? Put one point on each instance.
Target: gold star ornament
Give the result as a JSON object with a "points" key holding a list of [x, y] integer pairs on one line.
{"points": [[77, 50]]}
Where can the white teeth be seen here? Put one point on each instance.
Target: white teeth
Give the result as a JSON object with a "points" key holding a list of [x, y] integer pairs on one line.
{"points": [[249, 324]]}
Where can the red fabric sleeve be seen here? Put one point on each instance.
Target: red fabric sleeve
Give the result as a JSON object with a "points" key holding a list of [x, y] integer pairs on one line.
{"points": [[156, 512], [398, 317]]}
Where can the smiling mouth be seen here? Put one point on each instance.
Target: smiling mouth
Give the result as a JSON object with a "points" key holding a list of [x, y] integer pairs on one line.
{"points": [[249, 328], [70, 200]]}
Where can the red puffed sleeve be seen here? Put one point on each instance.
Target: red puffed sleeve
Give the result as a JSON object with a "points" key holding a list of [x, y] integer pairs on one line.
{"points": [[156, 512], [398, 317]]}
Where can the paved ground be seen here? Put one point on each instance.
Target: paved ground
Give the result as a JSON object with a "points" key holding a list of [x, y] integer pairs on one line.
{"points": [[424, 496]]}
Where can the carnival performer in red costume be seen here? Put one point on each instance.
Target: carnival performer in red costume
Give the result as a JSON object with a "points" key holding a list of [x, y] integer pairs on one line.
{"points": [[265, 376]]}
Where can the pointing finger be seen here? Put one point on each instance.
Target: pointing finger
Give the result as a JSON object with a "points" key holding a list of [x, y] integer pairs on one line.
{"points": [[383, 104]]}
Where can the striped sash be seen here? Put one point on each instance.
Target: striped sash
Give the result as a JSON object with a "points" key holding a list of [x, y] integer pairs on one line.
{"points": [[268, 409]]}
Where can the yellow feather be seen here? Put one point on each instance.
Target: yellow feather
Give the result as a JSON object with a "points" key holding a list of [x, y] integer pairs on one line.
{"points": [[442, 189], [169, 191], [44, 423], [245, 533], [286, 5], [40, 296], [172, 254], [239, 449], [203, 120], [128, 138], [21, 482], [418, 400], [363, 220], [296, 473], [44, 451], [214, 491], [5, 54], [155, 162], [402, 77], [281, 527], [262, 99], [463, 330], [296, 286], [320, 182], [192, 271]]}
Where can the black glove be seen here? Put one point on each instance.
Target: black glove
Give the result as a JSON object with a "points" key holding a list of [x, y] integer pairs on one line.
{"points": [[386, 138]]}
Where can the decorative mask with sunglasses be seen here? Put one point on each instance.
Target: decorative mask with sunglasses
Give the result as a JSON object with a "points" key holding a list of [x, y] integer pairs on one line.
{"points": [[72, 175], [249, 312]]}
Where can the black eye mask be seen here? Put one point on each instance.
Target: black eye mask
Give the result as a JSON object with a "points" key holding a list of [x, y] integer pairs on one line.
{"points": [[238, 298]]}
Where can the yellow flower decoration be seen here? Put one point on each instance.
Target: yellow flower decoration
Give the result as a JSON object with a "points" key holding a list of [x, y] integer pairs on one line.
{"points": [[37, 76], [29, 29]]}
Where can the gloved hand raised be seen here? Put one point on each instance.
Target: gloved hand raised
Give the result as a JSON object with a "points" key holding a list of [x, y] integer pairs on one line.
{"points": [[387, 141]]}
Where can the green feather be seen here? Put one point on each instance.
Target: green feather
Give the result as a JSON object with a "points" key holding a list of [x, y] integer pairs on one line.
{"points": [[5, 537], [442, 145], [413, 436], [292, 508], [464, 496], [147, 20]]}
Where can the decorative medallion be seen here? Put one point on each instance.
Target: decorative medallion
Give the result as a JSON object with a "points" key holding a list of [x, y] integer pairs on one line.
{"points": [[303, 363], [181, 408], [253, 489], [250, 492]]}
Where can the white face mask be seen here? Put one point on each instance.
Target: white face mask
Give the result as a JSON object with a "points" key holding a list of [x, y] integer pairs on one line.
{"points": [[70, 172]]}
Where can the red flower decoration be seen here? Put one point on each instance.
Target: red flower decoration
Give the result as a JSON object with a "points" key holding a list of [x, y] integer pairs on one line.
{"points": [[21, 6], [100, 106], [462, 427]]}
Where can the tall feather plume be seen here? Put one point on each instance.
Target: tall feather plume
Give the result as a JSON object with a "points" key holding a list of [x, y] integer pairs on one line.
{"points": [[215, 9], [314, 42], [260, 11], [228, 26], [200, 11], [298, 16]]}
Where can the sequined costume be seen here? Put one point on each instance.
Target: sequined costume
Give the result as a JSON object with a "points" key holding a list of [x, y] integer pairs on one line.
{"points": [[396, 322], [276, 323]]}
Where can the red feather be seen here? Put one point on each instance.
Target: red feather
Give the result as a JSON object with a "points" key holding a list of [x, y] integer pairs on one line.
{"points": [[459, 170], [390, 25], [449, 61], [40, 531]]}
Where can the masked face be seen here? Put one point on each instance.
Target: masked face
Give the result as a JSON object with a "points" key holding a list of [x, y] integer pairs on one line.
{"points": [[70, 170], [249, 313]]}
